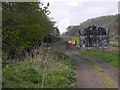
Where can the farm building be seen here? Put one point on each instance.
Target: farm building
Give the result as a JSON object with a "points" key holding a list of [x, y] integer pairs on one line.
{"points": [[94, 36]]}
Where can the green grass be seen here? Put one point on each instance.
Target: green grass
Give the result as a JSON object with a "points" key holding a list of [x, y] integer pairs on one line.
{"points": [[115, 45], [109, 56], [72, 38], [60, 73], [76, 39]]}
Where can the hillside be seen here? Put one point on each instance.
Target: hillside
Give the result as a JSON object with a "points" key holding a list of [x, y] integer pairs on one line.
{"points": [[109, 22]]}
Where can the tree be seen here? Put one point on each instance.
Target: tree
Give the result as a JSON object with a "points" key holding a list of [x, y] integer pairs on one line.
{"points": [[25, 24]]}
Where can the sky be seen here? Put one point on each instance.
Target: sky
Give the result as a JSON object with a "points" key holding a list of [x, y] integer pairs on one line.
{"points": [[74, 12]]}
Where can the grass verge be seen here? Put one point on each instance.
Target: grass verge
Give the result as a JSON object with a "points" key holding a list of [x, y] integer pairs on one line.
{"points": [[36, 73], [109, 83], [109, 56]]}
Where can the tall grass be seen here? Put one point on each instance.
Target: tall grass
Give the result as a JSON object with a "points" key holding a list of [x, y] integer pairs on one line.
{"points": [[57, 72]]}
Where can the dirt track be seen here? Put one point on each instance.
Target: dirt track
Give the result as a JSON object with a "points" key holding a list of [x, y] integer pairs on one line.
{"points": [[87, 75]]}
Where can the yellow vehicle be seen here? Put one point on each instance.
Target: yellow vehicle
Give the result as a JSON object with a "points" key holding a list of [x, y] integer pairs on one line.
{"points": [[72, 42]]}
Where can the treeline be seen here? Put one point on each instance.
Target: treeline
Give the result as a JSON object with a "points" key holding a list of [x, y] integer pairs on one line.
{"points": [[24, 27], [110, 22]]}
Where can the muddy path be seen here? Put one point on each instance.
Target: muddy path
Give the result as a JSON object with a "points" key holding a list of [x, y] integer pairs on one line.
{"points": [[93, 72]]}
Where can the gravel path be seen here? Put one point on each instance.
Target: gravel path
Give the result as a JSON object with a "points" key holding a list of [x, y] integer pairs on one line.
{"points": [[87, 75]]}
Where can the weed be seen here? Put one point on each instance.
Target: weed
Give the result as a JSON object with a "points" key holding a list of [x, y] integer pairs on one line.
{"points": [[59, 72]]}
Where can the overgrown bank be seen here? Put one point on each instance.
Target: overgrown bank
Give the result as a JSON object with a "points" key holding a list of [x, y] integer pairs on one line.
{"points": [[55, 71]]}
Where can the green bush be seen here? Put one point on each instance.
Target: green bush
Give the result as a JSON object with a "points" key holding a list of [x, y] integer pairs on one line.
{"points": [[24, 26]]}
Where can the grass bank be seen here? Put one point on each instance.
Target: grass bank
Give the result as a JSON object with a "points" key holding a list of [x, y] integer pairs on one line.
{"points": [[58, 72], [109, 56]]}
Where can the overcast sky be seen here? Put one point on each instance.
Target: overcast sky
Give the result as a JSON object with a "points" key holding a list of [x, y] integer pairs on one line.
{"points": [[74, 12]]}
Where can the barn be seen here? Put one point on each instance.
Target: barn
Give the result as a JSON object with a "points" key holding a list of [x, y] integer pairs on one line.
{"points": [[94, 36]]}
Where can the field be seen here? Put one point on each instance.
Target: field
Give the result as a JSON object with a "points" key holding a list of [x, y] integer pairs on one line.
{"points": [[72, 38], [109, 56], [77, 39]]}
